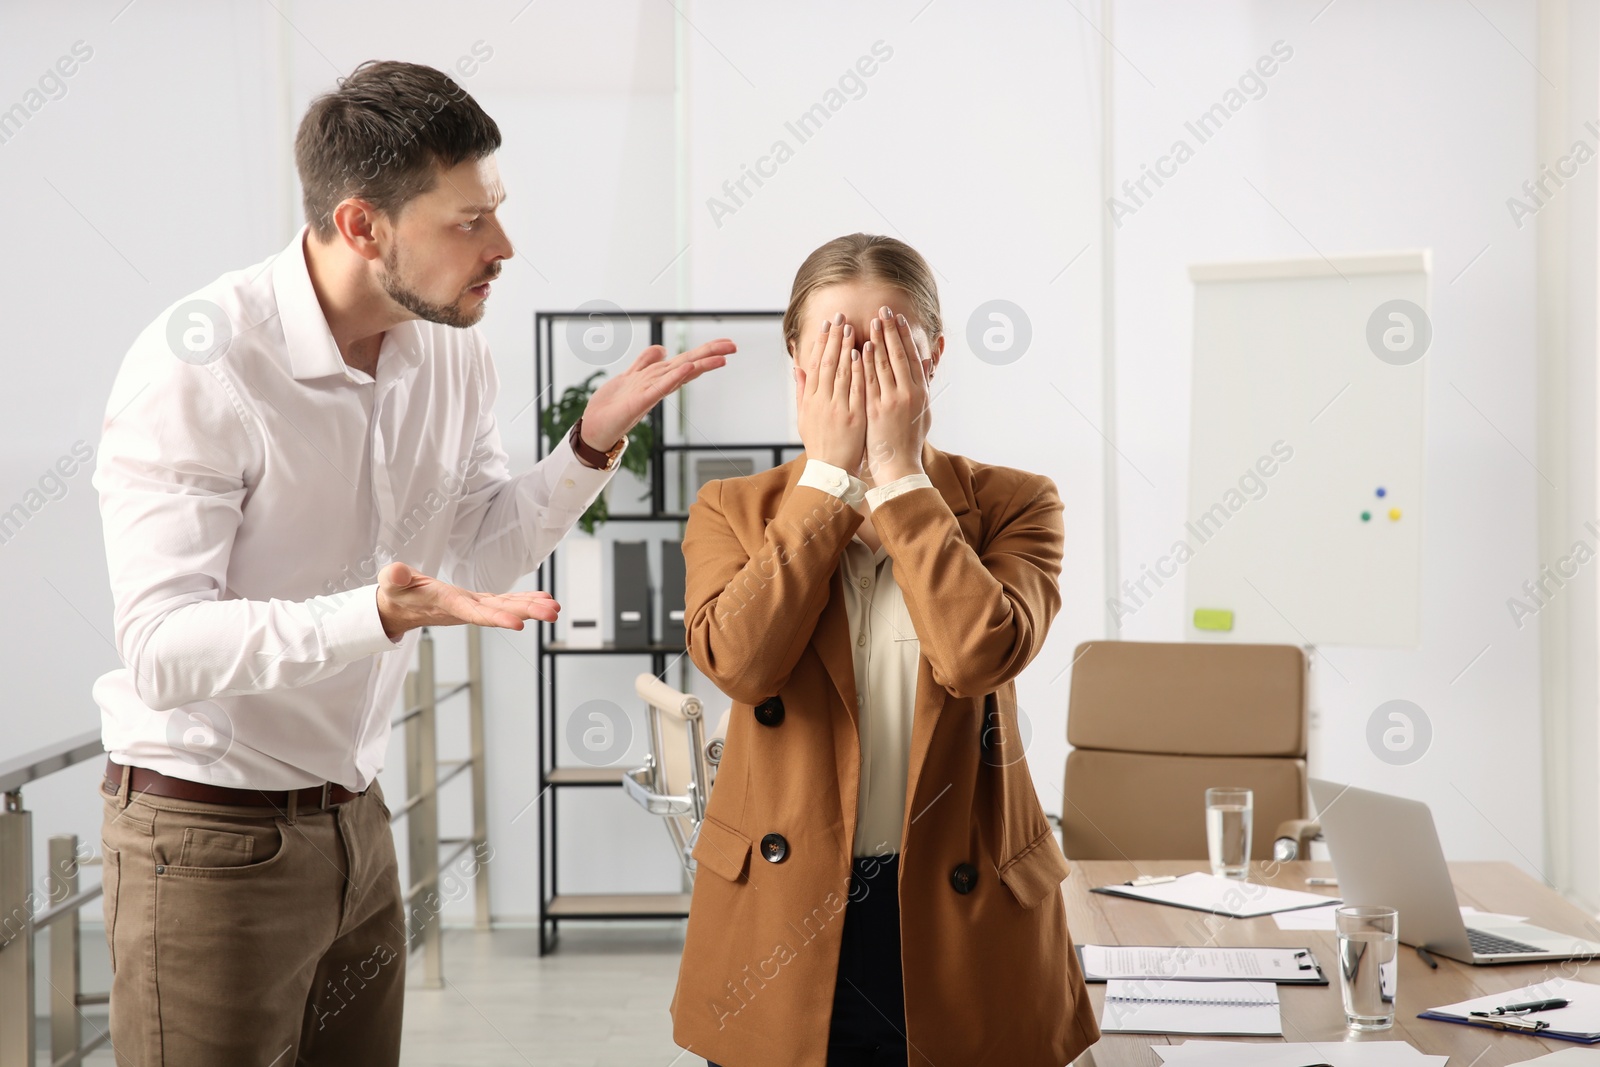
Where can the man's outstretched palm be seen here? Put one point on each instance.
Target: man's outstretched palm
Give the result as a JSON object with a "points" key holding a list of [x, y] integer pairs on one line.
{"points": [[408, 599]]}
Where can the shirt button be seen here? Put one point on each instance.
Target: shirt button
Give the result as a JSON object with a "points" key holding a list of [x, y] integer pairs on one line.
{"points": [[865, 582], [861, 640], [569, 483]]}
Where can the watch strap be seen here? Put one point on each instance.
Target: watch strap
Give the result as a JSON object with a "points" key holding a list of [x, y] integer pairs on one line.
{"points": [[589, 455]]}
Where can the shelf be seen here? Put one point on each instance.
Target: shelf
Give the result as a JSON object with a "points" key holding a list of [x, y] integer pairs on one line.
{"points": [[584, 776], [618, 906], [608, 648], [556, 907]]}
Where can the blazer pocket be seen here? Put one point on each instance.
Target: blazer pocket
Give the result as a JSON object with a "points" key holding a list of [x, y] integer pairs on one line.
{"points": [[721, 849], [1036, 871]]}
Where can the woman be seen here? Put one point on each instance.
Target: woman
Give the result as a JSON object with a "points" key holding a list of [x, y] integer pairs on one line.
{"points": [[877, 882]]}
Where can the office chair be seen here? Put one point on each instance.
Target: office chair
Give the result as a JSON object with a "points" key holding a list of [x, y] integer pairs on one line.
{"points": [[678, 773], [1154, 724]]}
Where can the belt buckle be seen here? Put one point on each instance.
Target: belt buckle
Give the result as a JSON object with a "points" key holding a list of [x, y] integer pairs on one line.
{"points": [[326, 786]]}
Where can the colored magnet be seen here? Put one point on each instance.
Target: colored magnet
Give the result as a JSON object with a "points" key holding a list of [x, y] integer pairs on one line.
{"points": [[1213, 619]]}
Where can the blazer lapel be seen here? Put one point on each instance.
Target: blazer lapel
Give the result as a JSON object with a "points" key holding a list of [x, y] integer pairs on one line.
{"points": [[832, 637]]}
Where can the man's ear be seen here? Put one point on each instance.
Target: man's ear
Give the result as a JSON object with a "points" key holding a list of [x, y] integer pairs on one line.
{"points": [[358, 224]]}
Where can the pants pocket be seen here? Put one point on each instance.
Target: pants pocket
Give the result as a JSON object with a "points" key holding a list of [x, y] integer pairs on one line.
{"points": [[110, 878], [186, 847]]}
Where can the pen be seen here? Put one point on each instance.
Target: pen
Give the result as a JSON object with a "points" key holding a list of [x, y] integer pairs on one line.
{"points": [[1322, 881], [1152, 879], [1532, 1005], [1427, 957]]}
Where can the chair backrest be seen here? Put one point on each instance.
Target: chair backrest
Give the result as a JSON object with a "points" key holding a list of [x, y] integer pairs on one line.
{"points": [[1154, 724]]}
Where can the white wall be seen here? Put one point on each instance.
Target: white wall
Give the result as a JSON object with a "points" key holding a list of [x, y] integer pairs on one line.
{"points": [[156, 169], [976, 141], [1374, 135]]}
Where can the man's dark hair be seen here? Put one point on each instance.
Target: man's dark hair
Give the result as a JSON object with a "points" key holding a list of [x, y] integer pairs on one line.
{"points": [[382, 135]]}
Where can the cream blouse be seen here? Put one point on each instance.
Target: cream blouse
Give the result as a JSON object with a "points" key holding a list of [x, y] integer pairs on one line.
{"points": [[886, 652]]}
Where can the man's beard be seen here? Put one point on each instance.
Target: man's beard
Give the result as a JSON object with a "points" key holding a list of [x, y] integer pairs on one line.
{"points": [[408, 298]]}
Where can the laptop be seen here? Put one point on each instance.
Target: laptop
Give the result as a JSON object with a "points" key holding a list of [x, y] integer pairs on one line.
{"points": [[1386, 851]]}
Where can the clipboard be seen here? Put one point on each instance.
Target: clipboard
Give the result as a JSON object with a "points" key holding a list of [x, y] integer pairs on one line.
{"points": [[1579, 1021], [1220, 896], [1281, 966]]}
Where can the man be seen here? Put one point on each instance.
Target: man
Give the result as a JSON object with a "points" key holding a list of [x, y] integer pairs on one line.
{"points": [[289, 456]]}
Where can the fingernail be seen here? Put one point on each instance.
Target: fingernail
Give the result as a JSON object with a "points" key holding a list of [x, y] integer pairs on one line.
{"points": [[855, 355], [884, 311], [825, 326], [901, 319], [847, 330]]}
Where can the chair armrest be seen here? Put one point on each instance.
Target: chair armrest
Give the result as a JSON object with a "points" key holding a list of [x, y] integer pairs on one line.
{"points": [[1297, 834]]}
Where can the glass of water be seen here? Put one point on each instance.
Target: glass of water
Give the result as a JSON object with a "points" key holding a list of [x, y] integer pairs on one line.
{"points": [[1228, 832], [1369, 971]]}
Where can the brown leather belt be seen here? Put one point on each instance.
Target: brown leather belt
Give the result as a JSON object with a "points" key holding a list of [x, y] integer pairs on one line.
{"points": [[311, 798]]}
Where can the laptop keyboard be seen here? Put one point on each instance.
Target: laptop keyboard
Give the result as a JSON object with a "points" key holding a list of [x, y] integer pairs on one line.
{"points": [[1487, 944]]}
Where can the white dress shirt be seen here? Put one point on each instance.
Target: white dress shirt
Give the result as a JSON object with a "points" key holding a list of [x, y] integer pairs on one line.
{"points": [[249, 502], [885, 652]]}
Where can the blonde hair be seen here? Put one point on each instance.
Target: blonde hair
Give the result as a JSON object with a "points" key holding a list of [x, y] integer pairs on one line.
{"points": [[865, 257]]}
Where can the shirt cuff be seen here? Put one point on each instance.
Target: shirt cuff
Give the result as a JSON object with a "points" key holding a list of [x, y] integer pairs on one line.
{"points": [[572, 484], [880, 493], [835, 481], [354, 628]]}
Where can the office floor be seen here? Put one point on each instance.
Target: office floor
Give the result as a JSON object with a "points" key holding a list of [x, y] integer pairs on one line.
{"points": [[599, 1001]]}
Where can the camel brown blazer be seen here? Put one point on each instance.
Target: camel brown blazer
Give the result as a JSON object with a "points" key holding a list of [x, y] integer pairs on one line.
{"points": [[990, 973]]}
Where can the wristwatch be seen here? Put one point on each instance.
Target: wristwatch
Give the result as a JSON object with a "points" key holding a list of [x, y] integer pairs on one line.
{"points": [[593, 457]]}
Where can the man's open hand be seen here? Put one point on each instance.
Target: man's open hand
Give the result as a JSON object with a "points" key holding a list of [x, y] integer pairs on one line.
{"points": [[408, 599], [621, 402]]}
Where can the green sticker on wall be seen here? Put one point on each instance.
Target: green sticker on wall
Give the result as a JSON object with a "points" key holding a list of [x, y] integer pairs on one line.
{"points": [[1213, 619]]}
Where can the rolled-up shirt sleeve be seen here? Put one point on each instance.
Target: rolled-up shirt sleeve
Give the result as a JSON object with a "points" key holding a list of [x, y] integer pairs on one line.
{"points": [[505, 525], [171, 477]]}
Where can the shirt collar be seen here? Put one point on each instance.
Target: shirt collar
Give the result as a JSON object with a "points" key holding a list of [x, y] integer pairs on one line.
{"points": [[312, 350]]}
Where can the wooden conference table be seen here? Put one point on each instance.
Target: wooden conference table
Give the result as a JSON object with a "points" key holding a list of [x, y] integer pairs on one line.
{"points": [[1316, 1013]]}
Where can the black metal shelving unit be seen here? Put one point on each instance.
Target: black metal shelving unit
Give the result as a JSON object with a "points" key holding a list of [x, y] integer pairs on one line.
{"points": [[554, 906]]}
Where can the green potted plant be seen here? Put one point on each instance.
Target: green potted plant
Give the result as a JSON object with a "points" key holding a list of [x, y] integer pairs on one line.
{"points": [[556, 422]]}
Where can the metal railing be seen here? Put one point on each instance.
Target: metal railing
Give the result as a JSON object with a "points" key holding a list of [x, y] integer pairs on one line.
{"points": [[425, 773], [23, 914]]}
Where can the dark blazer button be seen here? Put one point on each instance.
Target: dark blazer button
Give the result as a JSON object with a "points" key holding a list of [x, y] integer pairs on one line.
{"points": [[964, 877], [774, 848], [770, 711]]}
